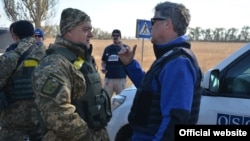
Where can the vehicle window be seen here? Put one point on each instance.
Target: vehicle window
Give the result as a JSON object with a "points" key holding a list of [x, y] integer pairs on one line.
{"points": [[236, 81]]}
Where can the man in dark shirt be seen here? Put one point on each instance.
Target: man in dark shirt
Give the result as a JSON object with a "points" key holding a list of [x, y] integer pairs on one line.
{"points": [[115, 76]]}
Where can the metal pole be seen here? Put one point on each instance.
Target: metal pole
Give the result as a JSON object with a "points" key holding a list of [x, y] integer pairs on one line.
{"points": [[142, 50]]}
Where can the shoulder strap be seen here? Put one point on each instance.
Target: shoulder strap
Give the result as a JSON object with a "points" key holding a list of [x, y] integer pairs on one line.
{"points": [[176, 52], [64, 52], [76, 61], [23, 56]]}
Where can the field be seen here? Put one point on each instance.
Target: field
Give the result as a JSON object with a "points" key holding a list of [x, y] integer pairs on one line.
{"points": [[207, 53]]}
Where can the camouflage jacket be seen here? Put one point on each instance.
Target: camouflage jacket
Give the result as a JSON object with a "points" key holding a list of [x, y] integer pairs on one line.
{"points": [[21, 114], [9, 59], [57, 83]]}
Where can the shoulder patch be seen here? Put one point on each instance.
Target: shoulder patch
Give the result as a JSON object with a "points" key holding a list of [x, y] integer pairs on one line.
{"points": [[51, 87]]}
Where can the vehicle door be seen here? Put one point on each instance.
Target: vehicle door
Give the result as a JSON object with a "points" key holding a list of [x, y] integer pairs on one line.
{"points": [[227, 101]]}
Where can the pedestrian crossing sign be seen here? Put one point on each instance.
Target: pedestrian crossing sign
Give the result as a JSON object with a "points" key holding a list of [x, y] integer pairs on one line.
{"points": [[143, 28]]}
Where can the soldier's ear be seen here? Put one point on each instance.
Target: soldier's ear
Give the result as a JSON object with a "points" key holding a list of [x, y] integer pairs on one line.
{"points": [[14, 37]]}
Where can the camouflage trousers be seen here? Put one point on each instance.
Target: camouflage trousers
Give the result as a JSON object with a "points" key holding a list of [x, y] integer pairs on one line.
{"points": [[7, 134], [101, 135], [19, 122], [12, 135]]}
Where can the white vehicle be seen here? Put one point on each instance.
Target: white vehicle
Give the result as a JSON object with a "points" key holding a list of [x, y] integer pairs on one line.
{"points": [[5, 39], [226, 100], [118, 127]]}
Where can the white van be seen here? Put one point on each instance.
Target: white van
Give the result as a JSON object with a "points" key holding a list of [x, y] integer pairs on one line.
{"points": [[5, 39], [226, 100]]}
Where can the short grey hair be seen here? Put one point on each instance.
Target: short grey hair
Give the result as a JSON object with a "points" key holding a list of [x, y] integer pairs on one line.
{"points": [[178, 13]]}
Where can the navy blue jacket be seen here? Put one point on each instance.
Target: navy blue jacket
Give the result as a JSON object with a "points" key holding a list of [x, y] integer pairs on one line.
{"points": [[177, 79]]}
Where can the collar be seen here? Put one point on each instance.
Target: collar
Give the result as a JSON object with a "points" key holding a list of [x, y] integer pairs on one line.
{"points": [[177, 40], [160, 49], [79, 49]]}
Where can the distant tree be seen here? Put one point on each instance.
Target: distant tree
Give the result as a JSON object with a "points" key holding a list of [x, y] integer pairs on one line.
{"points": [[231, 34], [191, 33], [218, 34], [36, 11], [51, 30], [208, 36], [244, 33], [195, 33], [100, 34]]}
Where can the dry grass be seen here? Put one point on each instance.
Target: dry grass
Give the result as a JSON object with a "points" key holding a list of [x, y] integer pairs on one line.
{"points": [[208, 54]]}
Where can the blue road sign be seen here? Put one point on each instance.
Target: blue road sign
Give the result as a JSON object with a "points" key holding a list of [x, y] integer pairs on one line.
{"points": [[143, 28]]}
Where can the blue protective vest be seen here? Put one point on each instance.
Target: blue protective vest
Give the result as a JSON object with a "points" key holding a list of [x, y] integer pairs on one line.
{"points": [[146, 111]]}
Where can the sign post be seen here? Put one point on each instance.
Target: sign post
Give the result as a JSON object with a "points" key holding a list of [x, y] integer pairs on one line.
{"points": [[143, 30]]}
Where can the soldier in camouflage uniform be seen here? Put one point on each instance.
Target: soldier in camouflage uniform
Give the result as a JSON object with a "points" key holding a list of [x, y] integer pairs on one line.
{"points": [[57, 82], [19, 120]]}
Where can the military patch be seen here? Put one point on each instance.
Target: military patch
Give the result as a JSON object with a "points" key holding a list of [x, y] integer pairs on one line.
{"points": [[52, 86]]}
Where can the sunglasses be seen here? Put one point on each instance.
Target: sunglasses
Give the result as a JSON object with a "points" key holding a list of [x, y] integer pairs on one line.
{"points": [[153, 20], [39, 36], [115, 35]]}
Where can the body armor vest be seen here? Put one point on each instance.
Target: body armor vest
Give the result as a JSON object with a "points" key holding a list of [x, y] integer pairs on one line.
{"points": [[146, 107], [19, 87], [94, 106]]}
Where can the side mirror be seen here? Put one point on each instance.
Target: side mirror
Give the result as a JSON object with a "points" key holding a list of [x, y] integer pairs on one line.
{"points": [[214, 81]]}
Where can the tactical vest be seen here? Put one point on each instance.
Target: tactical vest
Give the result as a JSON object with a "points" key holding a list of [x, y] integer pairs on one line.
{"points": [[146, 110], [19, 86], [94, 106]]}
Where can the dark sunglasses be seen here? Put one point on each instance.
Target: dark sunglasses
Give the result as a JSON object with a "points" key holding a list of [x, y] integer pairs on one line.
{"points": [[115, 35], [153, 20], [39, 36]]}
